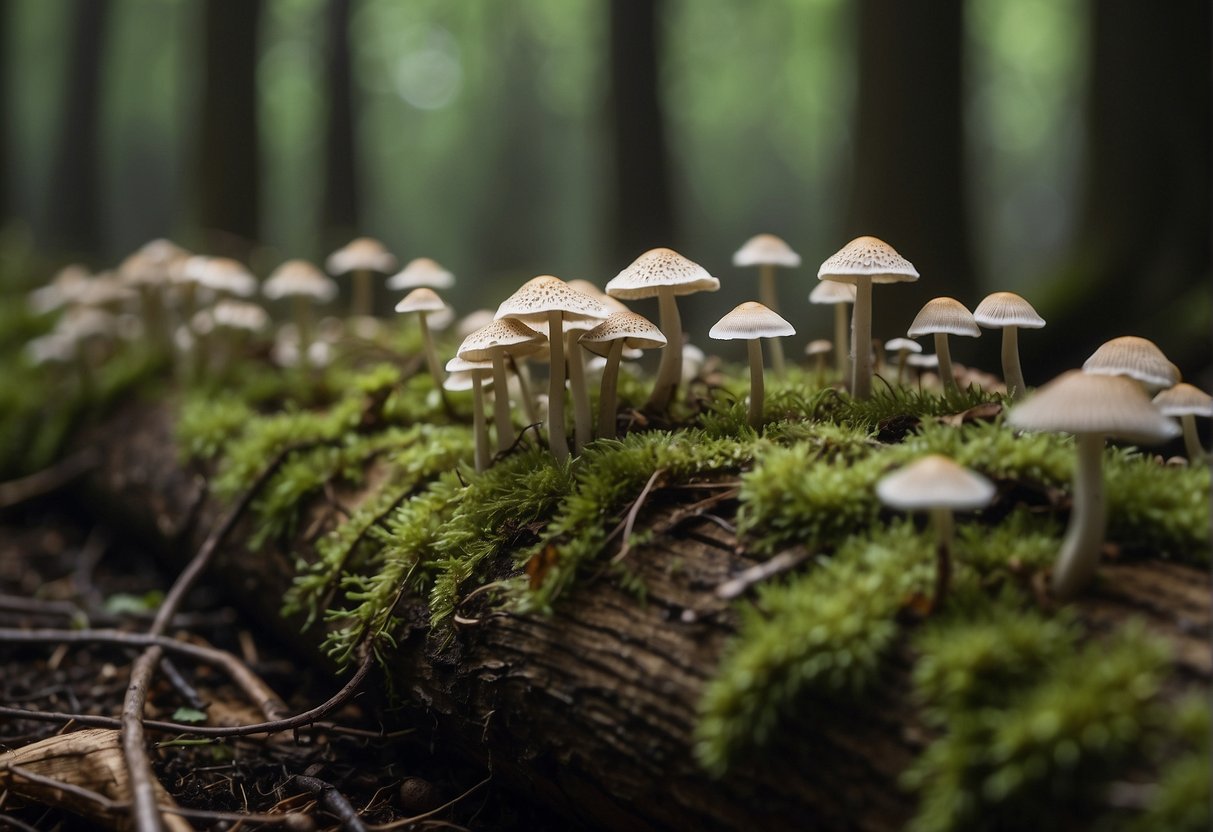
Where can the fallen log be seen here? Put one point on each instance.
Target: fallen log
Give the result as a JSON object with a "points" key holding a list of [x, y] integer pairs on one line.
{"points": [[591, 710]]}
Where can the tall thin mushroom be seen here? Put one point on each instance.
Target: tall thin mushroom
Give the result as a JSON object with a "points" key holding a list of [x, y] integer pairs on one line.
{"points": [[942, 317], [493, 342], [1010, 313], [1186, 402], [424, 302], [751, 321], [362, 256], [863, 262], [481, 373], [609, 338], [305, 285], [768, 252]]}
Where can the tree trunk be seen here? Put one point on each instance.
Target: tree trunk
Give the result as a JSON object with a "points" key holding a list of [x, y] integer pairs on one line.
{"points": [[908, 169], [74, 202], [591, 710], [227, 172], [642, 211], [340, 203]]}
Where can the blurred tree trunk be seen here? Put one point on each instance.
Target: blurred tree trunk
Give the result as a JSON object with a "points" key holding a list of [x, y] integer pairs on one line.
{"points": [[1141, 260], [228, 173], [642, 212], [908, 184], [7, 198], [340, 202], [74, 198]]}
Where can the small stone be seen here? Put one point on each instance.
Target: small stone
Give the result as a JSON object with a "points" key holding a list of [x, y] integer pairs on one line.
{"points": [[417, 795]]}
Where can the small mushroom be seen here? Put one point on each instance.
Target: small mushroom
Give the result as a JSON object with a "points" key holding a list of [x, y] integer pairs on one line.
{"points": [[942, 317], [619, 331], [1187, 402], [1010, 313], [768, 252], [751, 321], [481, 374], [419, 272], [305, 285], [818, 350], [222, 275], [864, 261], [240, 320], [936, 484], [838, 295], [664, 274], [1092, 407], [493, 342], [1137, 358], [903, 347], [147, 271], [424, 302], [362, 256]]}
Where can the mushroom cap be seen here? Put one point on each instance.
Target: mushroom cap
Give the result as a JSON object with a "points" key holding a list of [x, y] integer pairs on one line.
{"points": [[867, 257], [472, 321], [296, 278], [499, 336], [925, 361], [899, 344], [239, 314], [546, 293], [818, 347], [149, 264], [1184, 399], [1003, 309], [657, 269], [1134, 357], [222, 274], [766, 250], [463, 365], [944, 315], [421, 299], [64, 287], [636, 331], [460, 381], [1078, 402], [832, 291], [592, 290], [750, 320], [361, 254], [934, 481], [81, 322], [421, 271]]}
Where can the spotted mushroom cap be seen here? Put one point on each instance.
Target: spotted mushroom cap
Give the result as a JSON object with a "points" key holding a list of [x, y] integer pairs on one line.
{"points": [[944, 315], [766, 250], [500, 336], [546, 293], [867, 257], [1078, 402], [421, 299], [1184, 399], [934, 481], [361, 254], [636, 331], [832, 291], [1137, 358], [613, 305], [1003, 309], [750, 320], [421, 271], [660, 268], [296, 278]]}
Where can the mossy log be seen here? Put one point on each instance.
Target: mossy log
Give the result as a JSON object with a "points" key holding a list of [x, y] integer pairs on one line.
{"points": [[591, 710]]}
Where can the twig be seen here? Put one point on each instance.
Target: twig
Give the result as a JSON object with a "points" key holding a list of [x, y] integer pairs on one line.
{"points": [[10, 822], [182, 685], [630, 521], [788, 559], [48, 480], [500, 455], [333, 801]]}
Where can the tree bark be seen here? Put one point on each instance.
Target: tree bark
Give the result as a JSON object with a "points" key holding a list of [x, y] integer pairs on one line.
{"points": [[591, 710], [340, 204]]}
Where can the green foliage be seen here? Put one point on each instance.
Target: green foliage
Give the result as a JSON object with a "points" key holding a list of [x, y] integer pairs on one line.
{"points": [[1164, 508], [1182, 799], [824, 632]]}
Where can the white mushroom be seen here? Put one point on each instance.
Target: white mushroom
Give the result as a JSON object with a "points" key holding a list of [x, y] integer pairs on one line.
{"points": [[424, 302], [942, 317], [1186, 402], [481, 374], [1010, 313], [751, 321], [493, 342], [362, 256], [621, 330], [305, 285], [768, 252], [1137, 358]]}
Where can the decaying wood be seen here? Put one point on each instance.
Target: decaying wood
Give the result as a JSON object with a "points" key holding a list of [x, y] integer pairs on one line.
{"points": [[591, 710]]}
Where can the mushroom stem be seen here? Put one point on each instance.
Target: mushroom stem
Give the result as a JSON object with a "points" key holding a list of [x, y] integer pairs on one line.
{"points": [[841, 352], [501, 404], [582, 421], [941, 519], [523, 373], [479, 428], [607, 396], [945, 364], [1088, 516], [756, 385], [861, 339], [902, 357], [770, 299], [1192, 446], [556, 438], [303, 324], [669, 373], [361, 304], [431, 355], [1011, 372]]}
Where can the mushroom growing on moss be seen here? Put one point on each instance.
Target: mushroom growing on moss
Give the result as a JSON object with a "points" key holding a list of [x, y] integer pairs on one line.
{"points": [[1137, 358], [936, 484], [664, 274], [305, 285], [362, 256], [609, 338], [768, 252], [419, 272], [838, 295], [493, 342], [942, 317], [1092, 407], [862, 262], [1187, 402], [424, 302], [1010, 313], [903, 347], [481, 374], [751, 321]]}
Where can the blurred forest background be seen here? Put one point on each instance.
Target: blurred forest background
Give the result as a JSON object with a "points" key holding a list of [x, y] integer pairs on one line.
{"points": [[1058, 148]]}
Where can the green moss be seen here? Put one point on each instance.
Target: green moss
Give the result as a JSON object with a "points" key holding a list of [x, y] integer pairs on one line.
{"points": [[1164, 509], [1182, 799]]}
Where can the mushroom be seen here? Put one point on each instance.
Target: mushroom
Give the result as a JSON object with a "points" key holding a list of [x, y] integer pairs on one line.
{"points": [[240, 319], [362, 256], [304, 284], [767, 252], [64, 288], [864, 261], [838, 295], [424, 301], [421, 271], [818, 349], [903, 347], [663, 273], [147, 270], [548, 299], [493, 342], [751, 321], [1091, 407], [1137, 358], [1187, 402], [936, 484], [481, 374], [1009, 312], [619, 331], [942, 317]]}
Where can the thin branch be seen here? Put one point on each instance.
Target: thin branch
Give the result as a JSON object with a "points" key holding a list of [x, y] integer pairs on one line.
{"points": [[630, 521], [48, 480], [782, 562], [333, 801]]}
